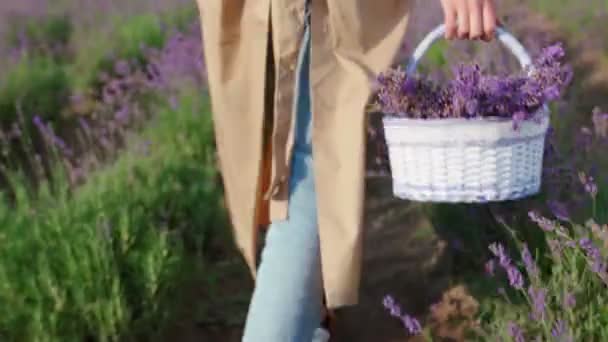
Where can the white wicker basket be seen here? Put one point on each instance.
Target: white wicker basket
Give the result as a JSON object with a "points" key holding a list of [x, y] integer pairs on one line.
{"points": [[466, 160]]}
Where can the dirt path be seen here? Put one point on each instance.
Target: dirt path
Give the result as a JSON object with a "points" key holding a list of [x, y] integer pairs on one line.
{"points": [[403, 257]]}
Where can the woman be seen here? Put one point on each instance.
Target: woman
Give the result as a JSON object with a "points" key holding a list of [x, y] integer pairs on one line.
{"points": [[289, 81]]}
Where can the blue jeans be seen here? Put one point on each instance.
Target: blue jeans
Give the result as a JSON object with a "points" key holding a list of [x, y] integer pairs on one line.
{"points": [[287, 301]]}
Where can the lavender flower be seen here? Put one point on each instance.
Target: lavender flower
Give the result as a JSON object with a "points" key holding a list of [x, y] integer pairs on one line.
{"points": [[472, 94], [411, 324], [598, 266], [516, 279], [48, 134], [590, 249], [588, 183], [122, 68], [569, 300], [390, 304], [560, 331], [516, 332], [529, 262], [552, 93], [84, 124], [559, 210], [543, 222], [538, 302], [499, 251]]}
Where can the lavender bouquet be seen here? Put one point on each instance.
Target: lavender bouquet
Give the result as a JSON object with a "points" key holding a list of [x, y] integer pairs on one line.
{"points": [[472, 94]]}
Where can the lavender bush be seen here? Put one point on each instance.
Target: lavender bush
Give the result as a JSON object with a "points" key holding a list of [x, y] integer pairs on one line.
{"points": [[473, 94], [568, 301], [97, 97], [554, 291], [105, 260]]}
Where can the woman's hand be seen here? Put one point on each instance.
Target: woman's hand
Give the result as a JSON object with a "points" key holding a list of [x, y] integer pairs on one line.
{"points": [[469, 19]]}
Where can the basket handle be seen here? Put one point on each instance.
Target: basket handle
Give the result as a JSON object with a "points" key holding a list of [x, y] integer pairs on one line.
{"points": [[502, 34]]}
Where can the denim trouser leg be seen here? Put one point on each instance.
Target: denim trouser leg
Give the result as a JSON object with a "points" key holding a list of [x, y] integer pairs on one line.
{"points": [[287, 302]]}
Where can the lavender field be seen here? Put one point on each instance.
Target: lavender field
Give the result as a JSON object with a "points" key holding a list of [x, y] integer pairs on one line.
{"points": [[112, 222]]}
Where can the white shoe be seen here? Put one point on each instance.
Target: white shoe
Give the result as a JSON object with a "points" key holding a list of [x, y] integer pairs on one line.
{"points": [[320, 335]]}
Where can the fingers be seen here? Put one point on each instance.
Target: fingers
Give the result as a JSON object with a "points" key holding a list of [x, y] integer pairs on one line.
{"points": [[449, 14], [470, 19], [463, 18], [476, 19], [489, 20]]}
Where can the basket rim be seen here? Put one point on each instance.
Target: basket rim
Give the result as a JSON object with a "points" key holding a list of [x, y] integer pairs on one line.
{"points": [[541, 113]]}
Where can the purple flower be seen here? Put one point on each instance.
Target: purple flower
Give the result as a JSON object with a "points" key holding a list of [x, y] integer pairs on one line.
{"points": [[585, 243], [411, 324], [560, 331], [552, 93], [569, 300], [543, 222], [559, 210], [553, 52], [48, 134], [409, 86], [390, 304], [516, 279], [472, 94], [38, 121], [122, 114], [84, 124], [538, 302], [588, 183], [516, 332], [499, 251], [122, 68], [590, 249], [598, 266], [529, 262]]}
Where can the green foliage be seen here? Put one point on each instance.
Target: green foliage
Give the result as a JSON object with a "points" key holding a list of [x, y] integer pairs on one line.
{"points": [[181, 18], [126, 42], [570, 271], [106, 261], [41, 35], [38, 85], [137, 32], [436, 54]]}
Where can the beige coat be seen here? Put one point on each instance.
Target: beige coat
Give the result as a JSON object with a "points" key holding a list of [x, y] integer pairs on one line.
{"points": [[251, 82]]}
